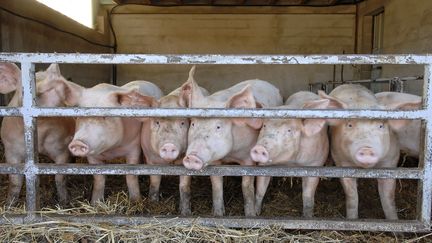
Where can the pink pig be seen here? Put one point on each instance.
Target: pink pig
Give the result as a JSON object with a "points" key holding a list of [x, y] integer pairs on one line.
{"points": [[164, 140], [364, 143], [216, 140], [54, 133], [107, 138], [289, 142]]}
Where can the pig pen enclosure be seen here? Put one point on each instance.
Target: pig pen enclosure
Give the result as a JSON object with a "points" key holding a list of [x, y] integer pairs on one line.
{"points": [[234, 41]]}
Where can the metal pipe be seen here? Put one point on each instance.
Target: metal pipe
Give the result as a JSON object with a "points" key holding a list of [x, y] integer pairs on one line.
{"points": [[425, 185], [212, 59], [220, 112], [232, 222], [30, 135]]}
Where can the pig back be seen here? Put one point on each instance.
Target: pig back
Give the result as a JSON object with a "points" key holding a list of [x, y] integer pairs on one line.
{"points": [[266, 94], [144, 88]]}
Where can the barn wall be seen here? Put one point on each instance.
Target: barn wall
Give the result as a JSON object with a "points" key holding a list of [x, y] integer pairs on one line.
{"points": [[21, 35], [141, 30], [407, 29]]}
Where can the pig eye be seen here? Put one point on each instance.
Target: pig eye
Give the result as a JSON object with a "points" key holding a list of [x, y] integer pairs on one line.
{"points": [[218, 127], [182, 123], [350, 125], [157, 123], [264, 125], [289, 130], [193, 124], [381, 126]]}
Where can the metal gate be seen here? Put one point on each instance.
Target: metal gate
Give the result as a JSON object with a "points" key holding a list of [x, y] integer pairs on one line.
{"points": [[31, 169]]}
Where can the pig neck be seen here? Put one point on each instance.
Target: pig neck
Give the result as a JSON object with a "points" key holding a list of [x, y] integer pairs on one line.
{"points": [[16, 100], [313, 149], [130, 141], [244, 138], [150, 154]]}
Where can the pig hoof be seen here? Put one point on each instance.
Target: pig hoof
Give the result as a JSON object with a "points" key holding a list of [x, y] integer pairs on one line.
{"points": [[219, 212], [154, 197], [185, 212], [258, 211], [250, 213]]}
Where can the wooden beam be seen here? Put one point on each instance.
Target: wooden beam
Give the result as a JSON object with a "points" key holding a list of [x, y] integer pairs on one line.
{"points": [[143, 9]]}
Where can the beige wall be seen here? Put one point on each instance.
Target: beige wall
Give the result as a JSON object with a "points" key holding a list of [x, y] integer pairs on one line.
{"points": [[20, 35], [407, 30], [227, 33]]}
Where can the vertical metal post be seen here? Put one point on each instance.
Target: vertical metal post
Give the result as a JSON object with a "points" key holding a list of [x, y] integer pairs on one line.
{"points": [[30, 135], [425, 185]]}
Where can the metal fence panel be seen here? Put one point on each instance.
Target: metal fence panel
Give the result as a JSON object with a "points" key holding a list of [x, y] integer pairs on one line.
{"points": [[31, 169]]}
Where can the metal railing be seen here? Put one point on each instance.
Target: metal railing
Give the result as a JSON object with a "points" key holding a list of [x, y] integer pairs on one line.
{"points": [[31, 169]]}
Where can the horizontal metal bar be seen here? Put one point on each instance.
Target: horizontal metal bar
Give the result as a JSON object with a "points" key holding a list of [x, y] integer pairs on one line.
{"points": [[10, 111], [12, 169], [219, 112], [229, 170], [211, 59], [231, 222]]}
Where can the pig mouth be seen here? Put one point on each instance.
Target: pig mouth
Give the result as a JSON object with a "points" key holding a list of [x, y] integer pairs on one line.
{"points": [[193, 162]]}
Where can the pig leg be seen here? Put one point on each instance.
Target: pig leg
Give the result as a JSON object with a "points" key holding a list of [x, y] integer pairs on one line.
{"points": [[218, 201], [61, 179], [248, 189], [262, 185], [98, 183], [386, 189], [132, 180], [155, 181], [15, 181], [309, 186], [185, 195], [350, 187]]}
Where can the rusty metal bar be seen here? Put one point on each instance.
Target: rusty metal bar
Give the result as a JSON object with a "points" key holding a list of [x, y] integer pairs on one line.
{"points": [[219, 112], [30, 135], [232, 222], [229, 170], [211, 59], [425, 185]]}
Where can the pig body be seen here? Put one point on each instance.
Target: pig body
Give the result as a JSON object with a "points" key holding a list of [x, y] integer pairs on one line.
{"points": [[216, 141], [107, 138], [364, 143], [288, 142], [163, 141], [53, 133], [409, 135]]}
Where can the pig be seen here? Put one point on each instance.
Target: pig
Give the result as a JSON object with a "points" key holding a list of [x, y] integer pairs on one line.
{"points": [[164, 140], [108, 138], [288, 142], [53, 133], [409, 135], [216, 140], [364, 143]]}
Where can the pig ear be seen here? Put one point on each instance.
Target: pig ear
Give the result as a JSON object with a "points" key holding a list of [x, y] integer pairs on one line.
{"points": [[69, 92], [399, 124], [312, 126], [190, 92], [10, 77], [244, 99], [334, 103], [135, 99], [327, 102], [54, 69]]}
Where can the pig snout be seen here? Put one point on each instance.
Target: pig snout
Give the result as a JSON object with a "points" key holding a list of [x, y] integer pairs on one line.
{"points": [[259, 154], [193, 162], [78, 148], [366, 156], [169, 152]]}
